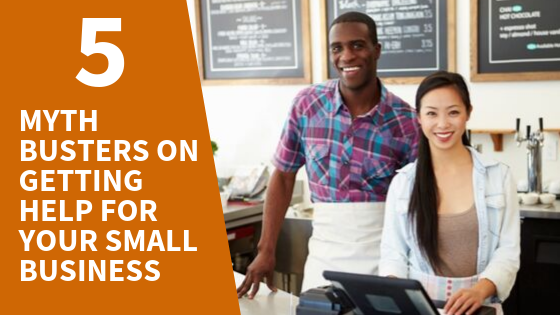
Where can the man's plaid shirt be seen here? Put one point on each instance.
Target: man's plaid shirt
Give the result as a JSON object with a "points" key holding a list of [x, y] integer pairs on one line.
{"points": [[347, 160]]}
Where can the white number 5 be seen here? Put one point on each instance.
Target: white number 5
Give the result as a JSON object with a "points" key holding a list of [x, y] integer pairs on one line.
{"points": [[113, 53]]}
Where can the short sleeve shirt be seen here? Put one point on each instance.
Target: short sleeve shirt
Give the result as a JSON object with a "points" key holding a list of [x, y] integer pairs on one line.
{"points": [[347, 160]]}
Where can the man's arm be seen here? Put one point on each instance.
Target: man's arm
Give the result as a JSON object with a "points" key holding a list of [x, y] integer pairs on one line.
{"points": [[278, 197]]}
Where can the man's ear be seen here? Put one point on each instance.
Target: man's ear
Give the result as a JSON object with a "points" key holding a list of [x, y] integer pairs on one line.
{"points": [[377, 49]]}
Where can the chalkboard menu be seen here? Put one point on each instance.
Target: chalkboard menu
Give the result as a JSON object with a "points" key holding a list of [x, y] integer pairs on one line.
{"points": [[416, 35], [262, 41], [516, 40]]}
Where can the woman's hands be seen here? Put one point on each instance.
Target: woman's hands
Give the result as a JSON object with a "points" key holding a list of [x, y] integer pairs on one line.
{"points": [[467, 301]]}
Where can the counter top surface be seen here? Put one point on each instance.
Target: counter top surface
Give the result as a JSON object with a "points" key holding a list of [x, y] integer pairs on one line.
{"points": [[266, 301], [541, 211], [237, 210], [241, 213]]}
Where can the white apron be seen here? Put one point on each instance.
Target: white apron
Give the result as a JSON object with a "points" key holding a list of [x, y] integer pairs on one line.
{"points": [[346, 237], [441, 288]]}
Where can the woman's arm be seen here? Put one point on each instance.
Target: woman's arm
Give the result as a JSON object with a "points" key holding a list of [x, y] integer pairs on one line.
{"points": [[467, 301], [504, 263], [394, 250]]}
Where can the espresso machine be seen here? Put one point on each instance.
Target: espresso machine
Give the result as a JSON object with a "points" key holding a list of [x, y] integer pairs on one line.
{"points": [[535, 142]]}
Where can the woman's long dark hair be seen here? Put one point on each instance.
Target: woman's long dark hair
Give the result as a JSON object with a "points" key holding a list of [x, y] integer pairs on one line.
{"points": [[424, 200]]}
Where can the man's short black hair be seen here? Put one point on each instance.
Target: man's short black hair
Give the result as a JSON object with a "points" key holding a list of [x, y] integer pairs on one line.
{"points": [[358, 17]]}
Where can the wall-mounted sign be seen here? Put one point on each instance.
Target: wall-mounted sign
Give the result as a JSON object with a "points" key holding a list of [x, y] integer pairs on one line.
{"points": [[515, 40], [253, 42], [417, 36]]}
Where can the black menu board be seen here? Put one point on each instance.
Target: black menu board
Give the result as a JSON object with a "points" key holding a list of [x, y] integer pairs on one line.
{"points": [[262, 40], [516, 40], [415, 35]]}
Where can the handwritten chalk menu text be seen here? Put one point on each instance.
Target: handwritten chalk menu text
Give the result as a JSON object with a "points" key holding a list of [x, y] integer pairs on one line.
{"points": [[252, 39], [519, 36], [412, 33]]}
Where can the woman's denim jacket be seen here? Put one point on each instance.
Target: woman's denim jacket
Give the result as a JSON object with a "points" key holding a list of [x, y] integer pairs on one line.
{"points": [[498, 220]]}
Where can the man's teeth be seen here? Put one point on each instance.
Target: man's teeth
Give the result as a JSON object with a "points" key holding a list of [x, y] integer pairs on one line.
{"points": [[444, 135], [350, 68]]}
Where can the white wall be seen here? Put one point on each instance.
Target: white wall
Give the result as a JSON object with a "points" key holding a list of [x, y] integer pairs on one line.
{"points": [[246, 121]]}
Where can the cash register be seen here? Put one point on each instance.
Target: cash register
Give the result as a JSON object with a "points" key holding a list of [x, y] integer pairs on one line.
{"points": [[357, 294]]}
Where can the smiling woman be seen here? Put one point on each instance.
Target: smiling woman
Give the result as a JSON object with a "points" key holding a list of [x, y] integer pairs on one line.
{"points": [[443, 116], [464, 242]]}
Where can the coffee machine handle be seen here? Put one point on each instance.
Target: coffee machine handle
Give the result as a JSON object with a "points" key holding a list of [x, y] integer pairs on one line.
{"points": [[541, 124]]}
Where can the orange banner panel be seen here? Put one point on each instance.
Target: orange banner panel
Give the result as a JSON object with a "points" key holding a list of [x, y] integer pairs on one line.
{"points": [[110, 203]]}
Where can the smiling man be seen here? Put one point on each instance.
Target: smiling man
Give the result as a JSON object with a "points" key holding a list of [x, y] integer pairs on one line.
{"points": [[351, 134]]}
